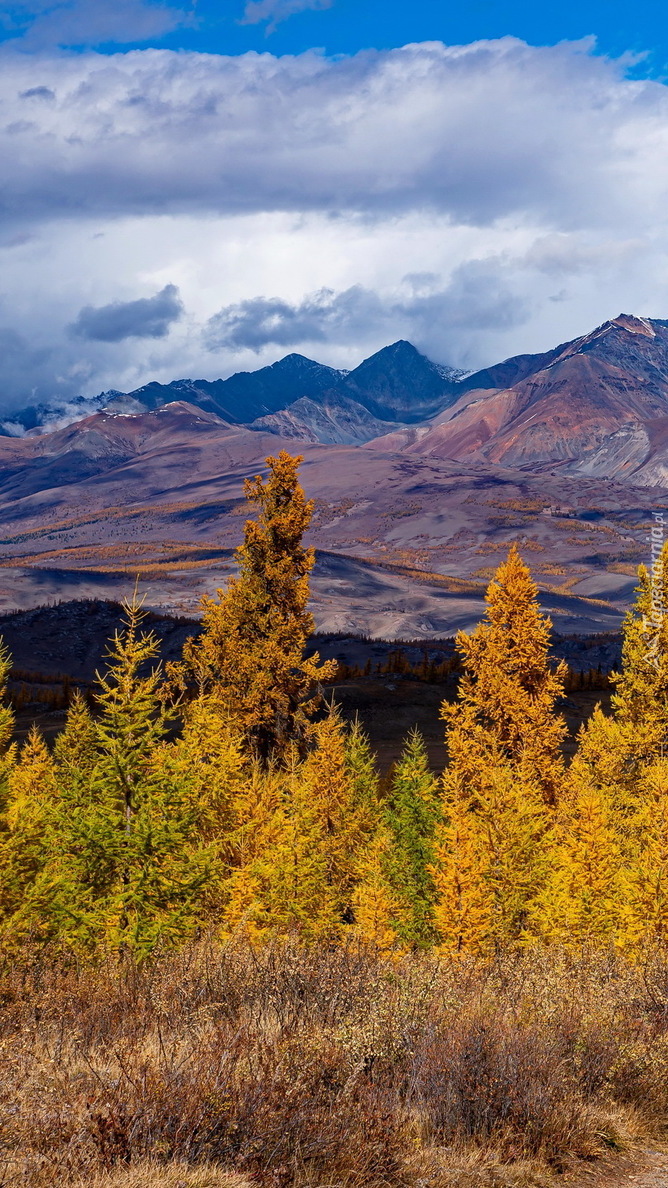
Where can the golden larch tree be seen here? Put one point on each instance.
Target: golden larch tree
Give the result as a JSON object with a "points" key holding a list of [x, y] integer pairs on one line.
{"points": [[646, 909], [306, 832], [508, 691], [27, 846], [250, 655], [582, 901], [505, 769]]}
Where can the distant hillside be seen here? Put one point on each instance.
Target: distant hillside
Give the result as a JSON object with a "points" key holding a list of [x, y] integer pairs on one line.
{"points": [[570, 462], [596, 406]]}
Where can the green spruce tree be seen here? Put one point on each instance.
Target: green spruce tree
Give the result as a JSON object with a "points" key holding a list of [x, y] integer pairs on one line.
{"points": [[411, 815]]}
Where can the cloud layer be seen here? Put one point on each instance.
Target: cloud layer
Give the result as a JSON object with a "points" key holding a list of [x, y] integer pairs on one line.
{"points": [[474, 299], [480, 133], [148, 317], [83, 23], [479, 200], [275, 11]]}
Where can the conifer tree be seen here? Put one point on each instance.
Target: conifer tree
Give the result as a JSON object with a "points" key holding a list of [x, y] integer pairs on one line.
{"points": [[251, 652], [287, 884], [376, 908], [615, 752], [583, 898], [207, 764], [505, 770], [25, 848], [363, 772], [147, 823], [76, 752], [506, 714], [209, 754], [309, 833], [463, 911], [411, 814], [491, 861], [645, 912], [261, 815], [641, 688], [343, 821], [108, 834]]}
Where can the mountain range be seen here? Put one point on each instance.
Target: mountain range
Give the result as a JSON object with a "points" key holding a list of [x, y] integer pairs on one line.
{"points": [[597, 405], [421, 476]]}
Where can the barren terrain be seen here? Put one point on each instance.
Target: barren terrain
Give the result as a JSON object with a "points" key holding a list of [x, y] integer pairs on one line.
{"points": [[406, 545]]}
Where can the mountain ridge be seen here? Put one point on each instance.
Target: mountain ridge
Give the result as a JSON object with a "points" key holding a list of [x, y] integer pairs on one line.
{"points": [[594, 405], [410, 517]]}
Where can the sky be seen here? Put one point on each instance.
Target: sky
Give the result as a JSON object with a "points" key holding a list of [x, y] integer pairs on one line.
{"points": [[189, 190]]}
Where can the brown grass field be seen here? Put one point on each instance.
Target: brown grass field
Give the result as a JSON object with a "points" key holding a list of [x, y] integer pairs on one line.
{"points": [[226, 1065]]}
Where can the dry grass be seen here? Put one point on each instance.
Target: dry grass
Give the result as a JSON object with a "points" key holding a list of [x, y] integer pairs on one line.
{"points": [[176, 1175], [290, 1067]]}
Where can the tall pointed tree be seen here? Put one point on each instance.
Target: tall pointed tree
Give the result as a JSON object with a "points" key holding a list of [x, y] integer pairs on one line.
{"points": [[376, 907], [463, 911], [411, 814], [365, 780], [505, 770], [25, 849], [641, 688], [645, 915], [583, 897], [616, 751], [147, 822], [508, 690], [109, 830], [306, 836], [76, 753], [491, 862], [251, 651]]}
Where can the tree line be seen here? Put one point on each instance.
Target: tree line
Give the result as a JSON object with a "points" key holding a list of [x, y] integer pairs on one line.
{"points": [[221, 794]]}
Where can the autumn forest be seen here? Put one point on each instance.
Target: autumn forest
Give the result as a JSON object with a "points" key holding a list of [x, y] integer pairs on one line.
{"points": [[209, 864]]}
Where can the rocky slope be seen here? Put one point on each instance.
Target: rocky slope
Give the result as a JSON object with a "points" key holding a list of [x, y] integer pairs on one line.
{"points": [[405, 544], [569, 459], [596, 406]]}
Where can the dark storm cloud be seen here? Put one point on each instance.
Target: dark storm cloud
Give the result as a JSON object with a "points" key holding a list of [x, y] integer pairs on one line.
{"points": [[26, 372], [149, 317], [476, 296], [483, 132], [324, 316]]}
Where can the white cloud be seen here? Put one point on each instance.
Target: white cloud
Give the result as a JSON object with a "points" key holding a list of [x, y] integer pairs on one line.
{"points": [[88, 23], [275, 11], [480, 200], [481, 133]]}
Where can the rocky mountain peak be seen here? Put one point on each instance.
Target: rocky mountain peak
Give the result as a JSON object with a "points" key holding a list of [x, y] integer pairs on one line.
{"points": [[634, 325]]}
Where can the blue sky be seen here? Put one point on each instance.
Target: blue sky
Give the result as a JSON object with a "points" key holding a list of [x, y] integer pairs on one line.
{"points": [[347, 26], [190, 191]]}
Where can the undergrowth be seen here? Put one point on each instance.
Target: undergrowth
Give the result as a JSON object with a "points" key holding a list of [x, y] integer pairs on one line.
{"points": [[218, 1067]]}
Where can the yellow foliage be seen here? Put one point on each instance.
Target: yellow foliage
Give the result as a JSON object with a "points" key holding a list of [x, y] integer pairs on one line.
{"points": [[506, 708], [583, 899], [375, 906], [251, 653]]}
